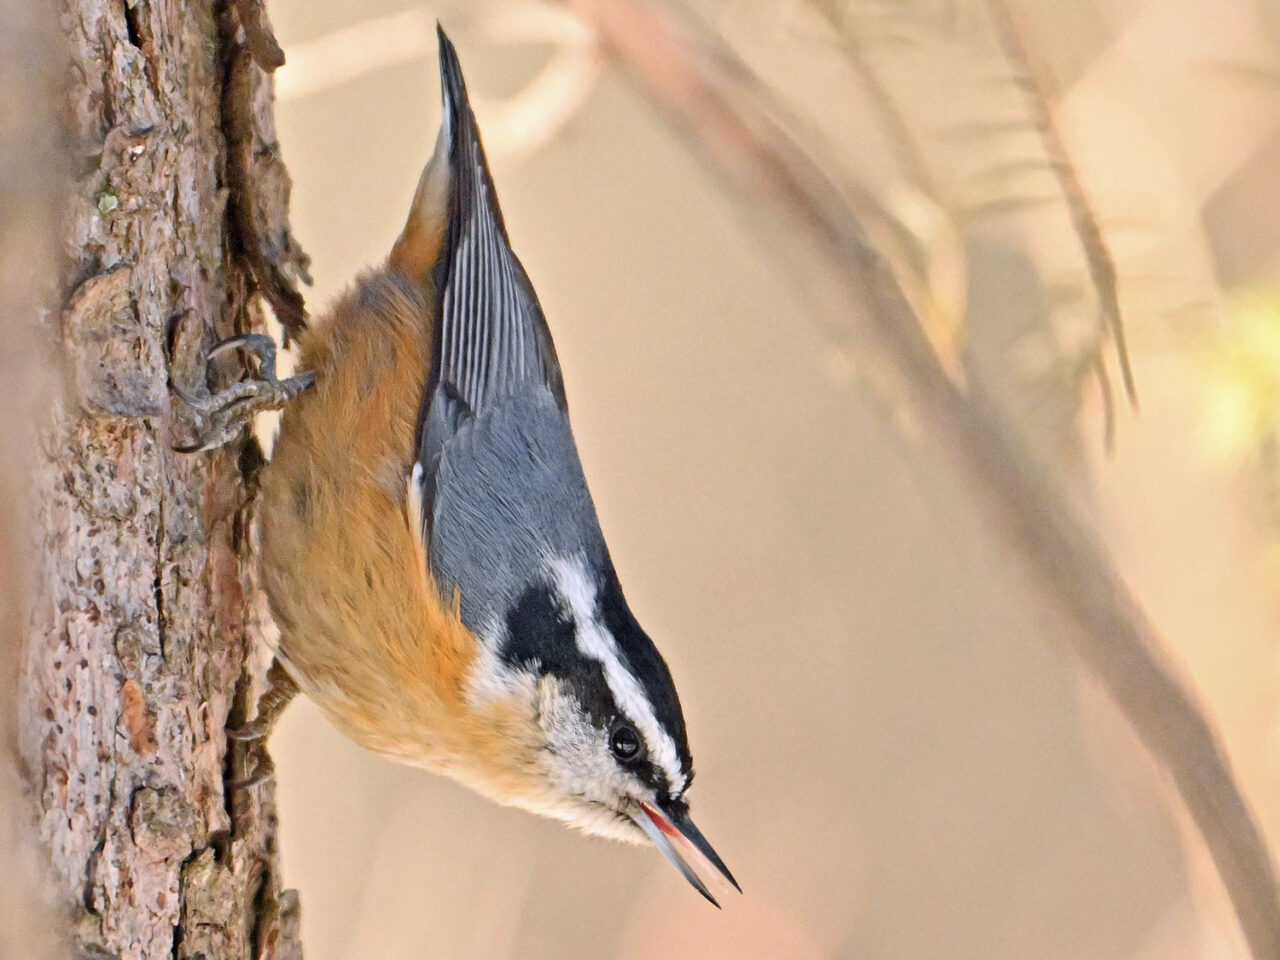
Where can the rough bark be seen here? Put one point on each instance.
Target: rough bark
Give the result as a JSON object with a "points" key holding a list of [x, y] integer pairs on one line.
{"points": [[141, 635], [31, 190]]}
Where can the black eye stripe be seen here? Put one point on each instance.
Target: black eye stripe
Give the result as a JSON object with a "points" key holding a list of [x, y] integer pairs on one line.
{"points": [[653, 775], [542, 635]]}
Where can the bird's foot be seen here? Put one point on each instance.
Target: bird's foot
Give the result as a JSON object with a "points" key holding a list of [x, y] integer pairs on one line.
{"points": [[280, 690], [221, 416], [250, 739], [261, 768]]}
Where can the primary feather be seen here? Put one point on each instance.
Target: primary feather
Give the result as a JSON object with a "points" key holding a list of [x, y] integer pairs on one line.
{"points": [[493, 340]]}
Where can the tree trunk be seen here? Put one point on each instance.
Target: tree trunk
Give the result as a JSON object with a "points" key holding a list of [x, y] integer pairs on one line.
{"points": [[32, 187], [140, 646]]}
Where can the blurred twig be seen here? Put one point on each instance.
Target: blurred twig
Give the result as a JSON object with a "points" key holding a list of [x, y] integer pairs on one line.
{"points": [[941, 243], [342, 55], [1034, 80], [515, 127], [698, 85], [522, 124], [906, 150]]}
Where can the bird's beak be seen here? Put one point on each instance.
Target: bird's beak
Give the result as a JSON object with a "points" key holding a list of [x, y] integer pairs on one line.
{"points": [[684, 845]]}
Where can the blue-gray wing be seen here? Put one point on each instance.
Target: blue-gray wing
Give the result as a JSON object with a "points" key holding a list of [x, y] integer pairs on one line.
{"points": [[497, 470], [491, 341], [510, 497]]}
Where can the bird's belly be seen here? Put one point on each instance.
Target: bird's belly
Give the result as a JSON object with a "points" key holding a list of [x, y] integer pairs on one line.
{"points": [[362, 629]]}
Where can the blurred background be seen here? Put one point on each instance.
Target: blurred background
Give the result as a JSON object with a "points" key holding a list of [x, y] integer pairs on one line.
{"points": [[896, 757]]}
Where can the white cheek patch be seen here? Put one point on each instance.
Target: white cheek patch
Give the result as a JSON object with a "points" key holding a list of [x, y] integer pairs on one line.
{"points": [[579, 749], [596, 642], [579, 762]]}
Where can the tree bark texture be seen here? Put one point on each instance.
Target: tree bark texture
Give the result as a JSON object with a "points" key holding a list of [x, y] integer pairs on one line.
{"points": [[32, 188], [140, 645]]}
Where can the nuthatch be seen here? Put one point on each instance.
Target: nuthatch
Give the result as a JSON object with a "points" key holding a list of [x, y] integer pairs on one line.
{"points": [[429, 547]]}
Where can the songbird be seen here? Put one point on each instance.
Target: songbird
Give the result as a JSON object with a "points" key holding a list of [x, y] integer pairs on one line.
{"points": [[429, 547]]}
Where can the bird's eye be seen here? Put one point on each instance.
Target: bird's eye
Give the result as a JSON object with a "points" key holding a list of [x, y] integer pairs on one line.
{"points": [[624, 742]]}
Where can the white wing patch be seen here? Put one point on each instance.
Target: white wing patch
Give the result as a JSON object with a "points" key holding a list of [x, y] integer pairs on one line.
{"points": [[413, 499], [596, 642]]}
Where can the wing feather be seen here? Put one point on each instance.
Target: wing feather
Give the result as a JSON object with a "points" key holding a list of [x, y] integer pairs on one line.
{"points": [[492, 341]]}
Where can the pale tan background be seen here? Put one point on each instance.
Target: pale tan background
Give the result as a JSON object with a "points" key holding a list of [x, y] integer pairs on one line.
{"points": [[895, 757]]}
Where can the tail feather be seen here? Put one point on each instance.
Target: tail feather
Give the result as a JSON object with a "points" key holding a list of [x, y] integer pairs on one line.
{"points": [[493, 340], [418, 247]]}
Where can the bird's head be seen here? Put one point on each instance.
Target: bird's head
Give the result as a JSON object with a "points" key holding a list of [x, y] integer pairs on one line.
{"points": [[601, 741]]}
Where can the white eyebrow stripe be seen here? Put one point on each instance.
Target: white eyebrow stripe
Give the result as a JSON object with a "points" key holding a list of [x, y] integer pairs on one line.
{"points": [[596, 642]]}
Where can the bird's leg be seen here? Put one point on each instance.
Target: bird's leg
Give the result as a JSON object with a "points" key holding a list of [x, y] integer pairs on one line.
{"points": [[222, 415], [279, 691]]}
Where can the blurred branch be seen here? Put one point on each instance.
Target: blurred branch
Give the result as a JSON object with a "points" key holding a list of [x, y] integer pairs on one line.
{"points": [[341, 56], [515, 127], [906, 151], [707, 95], [521, 125], [1033, 78], [941, 294]]}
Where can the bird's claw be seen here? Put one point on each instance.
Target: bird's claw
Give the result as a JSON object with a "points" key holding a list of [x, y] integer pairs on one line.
{"points": [[253, 730], [264, 771], [221, 416], [249, 739]]}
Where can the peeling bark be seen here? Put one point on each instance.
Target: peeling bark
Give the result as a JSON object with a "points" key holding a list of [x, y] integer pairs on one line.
{"points": [[141, 640]]}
